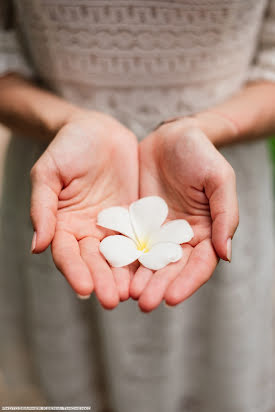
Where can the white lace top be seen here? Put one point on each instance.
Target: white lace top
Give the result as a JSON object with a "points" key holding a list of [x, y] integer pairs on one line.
{"points": [[142, 60]]}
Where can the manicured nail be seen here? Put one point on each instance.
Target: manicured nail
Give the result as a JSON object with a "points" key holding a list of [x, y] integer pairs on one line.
{"points": [[229, 249], [83, 297], [33, 242]]}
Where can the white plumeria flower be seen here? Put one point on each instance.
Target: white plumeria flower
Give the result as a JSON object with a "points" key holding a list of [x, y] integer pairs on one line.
{"points": [[155, 246]]}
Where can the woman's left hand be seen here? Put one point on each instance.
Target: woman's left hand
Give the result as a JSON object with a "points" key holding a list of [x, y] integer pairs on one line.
{"points": [[179, 163]]}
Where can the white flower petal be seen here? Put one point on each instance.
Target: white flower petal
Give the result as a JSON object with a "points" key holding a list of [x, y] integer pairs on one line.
{"points": [[176, 231], [119, 250], [161, 255], [147, 215], [116, 218]]}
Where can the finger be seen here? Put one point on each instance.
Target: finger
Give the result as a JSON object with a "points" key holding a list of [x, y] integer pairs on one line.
{"points": [[104, 282], [154, 291], [67, 258], [139, 281], [224, 212], [46, 186], [199, 268], [133, 267], [122, 279]]}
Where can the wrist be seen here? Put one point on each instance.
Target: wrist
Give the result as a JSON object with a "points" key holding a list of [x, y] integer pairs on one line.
{"points": [[56, 117], [32, 111], [217, 126]]}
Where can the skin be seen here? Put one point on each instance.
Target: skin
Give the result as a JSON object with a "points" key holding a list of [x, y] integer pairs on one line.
{"points": [[93, 162], [82, 172], [205, 198]]}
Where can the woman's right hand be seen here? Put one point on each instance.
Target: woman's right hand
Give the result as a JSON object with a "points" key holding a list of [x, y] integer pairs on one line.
{"points": [[91, 164]]}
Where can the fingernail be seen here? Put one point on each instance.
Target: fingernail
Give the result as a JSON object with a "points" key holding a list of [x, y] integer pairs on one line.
{"points": [[83, 297], [166, 304], [229, 249], [33, 242]]}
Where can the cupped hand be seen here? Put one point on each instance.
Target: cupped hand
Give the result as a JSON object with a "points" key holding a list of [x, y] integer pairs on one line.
{"points": [[179, 163], [91, 164]]}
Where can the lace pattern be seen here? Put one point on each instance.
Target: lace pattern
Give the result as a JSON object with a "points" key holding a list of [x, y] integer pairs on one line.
{"points": [[142, 60]]}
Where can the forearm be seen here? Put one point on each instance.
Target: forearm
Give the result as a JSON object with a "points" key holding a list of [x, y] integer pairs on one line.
{"points": [[31, 111], [250, 114]]}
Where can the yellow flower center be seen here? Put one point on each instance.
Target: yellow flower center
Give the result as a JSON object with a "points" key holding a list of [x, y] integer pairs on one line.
{"points": [[142, 245]]}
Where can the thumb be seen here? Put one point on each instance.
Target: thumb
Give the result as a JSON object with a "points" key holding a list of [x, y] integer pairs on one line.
{"points": [[46, 186], [222, 195]]}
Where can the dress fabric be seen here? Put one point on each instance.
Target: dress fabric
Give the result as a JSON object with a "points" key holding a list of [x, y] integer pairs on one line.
{"points": [[143, 61]]}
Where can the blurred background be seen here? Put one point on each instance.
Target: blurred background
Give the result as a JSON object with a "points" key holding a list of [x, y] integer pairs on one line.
{"points": [[15, 389]]}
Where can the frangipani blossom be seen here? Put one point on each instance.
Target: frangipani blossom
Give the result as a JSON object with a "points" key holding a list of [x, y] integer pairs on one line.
{"points": [[145, 238]]}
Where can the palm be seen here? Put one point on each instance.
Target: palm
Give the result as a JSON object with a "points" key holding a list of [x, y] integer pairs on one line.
{"points": [[184, 196], [178, 170], [95, 170]]}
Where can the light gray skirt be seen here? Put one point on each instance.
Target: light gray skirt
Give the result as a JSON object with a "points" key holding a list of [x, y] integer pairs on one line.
{"points": [[213, 353]]}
